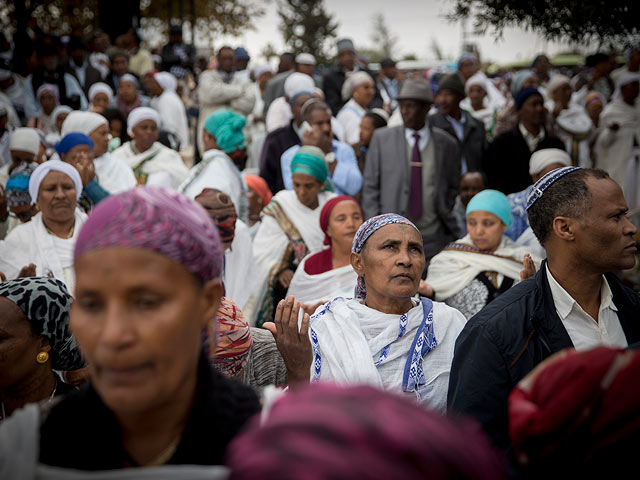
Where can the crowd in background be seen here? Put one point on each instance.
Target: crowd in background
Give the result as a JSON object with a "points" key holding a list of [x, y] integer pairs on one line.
{"points": [[223, 227]]}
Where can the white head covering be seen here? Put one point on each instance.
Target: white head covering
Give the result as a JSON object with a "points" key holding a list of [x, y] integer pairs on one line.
{"points": [[58, 110], [83, 122], [53, 166], [297, 83], [166, 81], [127, 77], [260, 69], [353, 81], [556, 82], [545, 157], [381, 113], [140, 114], [100, 87], [305, 59], [625, 79], [25, 139], [479, 79]]}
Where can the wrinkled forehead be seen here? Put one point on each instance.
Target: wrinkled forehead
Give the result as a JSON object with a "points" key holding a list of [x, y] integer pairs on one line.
{"points": [[396, 232]]}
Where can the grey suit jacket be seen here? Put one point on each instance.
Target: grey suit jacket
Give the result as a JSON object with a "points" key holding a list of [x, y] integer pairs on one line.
{"points": [[387, 178]]}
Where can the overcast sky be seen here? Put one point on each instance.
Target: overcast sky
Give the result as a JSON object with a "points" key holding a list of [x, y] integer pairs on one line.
{"points": [[414, 22]]}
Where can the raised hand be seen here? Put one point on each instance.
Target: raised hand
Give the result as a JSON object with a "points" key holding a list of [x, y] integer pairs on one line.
{"points": [[529, 269], [27, 271]]}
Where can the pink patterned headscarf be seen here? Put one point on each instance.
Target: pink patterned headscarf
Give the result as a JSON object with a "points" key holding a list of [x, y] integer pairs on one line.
{"points": [[233, 339], [157, 220]]}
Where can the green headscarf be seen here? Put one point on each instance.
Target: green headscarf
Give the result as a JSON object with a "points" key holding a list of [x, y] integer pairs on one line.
{"points": [[226, 127], [310, 161]]}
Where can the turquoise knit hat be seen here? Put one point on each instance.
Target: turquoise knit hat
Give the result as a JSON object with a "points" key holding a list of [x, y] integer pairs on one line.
{"points": [[492, 201], [226, 127]]}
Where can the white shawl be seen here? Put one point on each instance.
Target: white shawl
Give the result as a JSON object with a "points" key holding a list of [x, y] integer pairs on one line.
{"points": [[165, 169], [114, 175], [31, 243], [311, 289], [451, 270], [239, 267], [350, 337], [173, 116]]}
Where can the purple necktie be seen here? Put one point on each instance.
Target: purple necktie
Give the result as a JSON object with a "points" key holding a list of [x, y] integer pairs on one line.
{"points": [[415, 197]]}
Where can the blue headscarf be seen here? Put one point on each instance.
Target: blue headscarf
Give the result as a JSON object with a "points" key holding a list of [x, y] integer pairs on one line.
{"points": [[492, 201], [71, 140]]}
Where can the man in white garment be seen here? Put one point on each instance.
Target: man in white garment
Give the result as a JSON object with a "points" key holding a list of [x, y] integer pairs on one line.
{"points": [[162, 86]]}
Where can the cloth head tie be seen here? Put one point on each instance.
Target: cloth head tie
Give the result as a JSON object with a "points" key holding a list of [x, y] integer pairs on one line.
{"points": [[25, 139], [518, 80], [310, 161], [325, 213], [367, 229], [545, 182], [297, 83], [141, 114], [524, 95], [259, 185], [71, 140], [100, 87], [59, 110], [541, 159], [494, 202], [127, 77], [45, 302], [594, 97], [45, 168], [167, 81], [156, 220], [233, 339], [227, 128], [83, 122], [18, 184], [48, 88]]}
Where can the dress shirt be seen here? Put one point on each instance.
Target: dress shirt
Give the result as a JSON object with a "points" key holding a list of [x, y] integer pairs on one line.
{"points": [[531, 139], [584, 331], [424, 137]]}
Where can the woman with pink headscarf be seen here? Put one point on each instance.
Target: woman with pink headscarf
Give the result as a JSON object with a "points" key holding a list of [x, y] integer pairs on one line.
{"points": [[48, 98]]}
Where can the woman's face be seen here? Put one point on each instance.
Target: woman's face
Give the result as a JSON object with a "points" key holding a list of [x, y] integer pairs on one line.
{"points": [[391, 262], [364, 93], [485, 229], [476, 94], [100, 102], [366, 131], [48, 102], [18, 346], [138, 317], [127, 92], [100, 138], [530, 82], [145, 134], [116, 128], [344, 221], [60, 120], [57, 197], [307, 189]]}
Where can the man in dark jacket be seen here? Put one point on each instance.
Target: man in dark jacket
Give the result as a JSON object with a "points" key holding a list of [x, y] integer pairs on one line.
{"points": [[579, 216], [79, 65], [507, 160], [279, 141], [458, 123], [334, 79]]}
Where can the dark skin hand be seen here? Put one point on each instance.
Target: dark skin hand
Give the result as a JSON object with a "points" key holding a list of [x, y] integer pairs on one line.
{"points": [[529, 269], [284, 277], [294, 345], [3, 202], [27, 271]]}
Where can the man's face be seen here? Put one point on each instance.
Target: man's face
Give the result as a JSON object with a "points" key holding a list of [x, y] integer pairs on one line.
{"points": [[321, 119], [542, 65], [468, 68], [50, 63], [448, 101], [390, 72], [347, 59], [225, 60], [120, 65], [296, 108], [414, 113], [470, 185], [306, 69], [532, 111], [604, 237]]}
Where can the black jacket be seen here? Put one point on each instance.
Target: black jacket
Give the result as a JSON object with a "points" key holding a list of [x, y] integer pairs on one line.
{"points": [[507, 160], [474, 142], [507, 339], [276, 143], [92, 75], [332, 82]]}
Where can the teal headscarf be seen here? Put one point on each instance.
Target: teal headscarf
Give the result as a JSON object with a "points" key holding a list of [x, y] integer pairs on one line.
{"points": [[310, 161], [492, 201], [226, 127]]}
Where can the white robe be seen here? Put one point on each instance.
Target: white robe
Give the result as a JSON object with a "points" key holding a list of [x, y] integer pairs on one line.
{"points": [[350, 116], [311, 289], [349, 338], [166, 168], [217, 170], [114, 175], [239, 267], [31, 243], [173, 116]]}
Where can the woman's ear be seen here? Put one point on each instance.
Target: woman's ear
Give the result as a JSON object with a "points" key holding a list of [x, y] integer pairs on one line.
{"points": [[357, 264], [211, 298]]}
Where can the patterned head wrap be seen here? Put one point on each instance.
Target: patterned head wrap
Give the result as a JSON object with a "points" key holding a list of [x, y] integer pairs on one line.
{"points": [[18, 184], [310, 161], [220, 205], [367, 229], [310, 429], [226, 127], [233, 339], [157, 220], [584, 402], [328, 207], [594, 97], [545, 182], [46, 302]]}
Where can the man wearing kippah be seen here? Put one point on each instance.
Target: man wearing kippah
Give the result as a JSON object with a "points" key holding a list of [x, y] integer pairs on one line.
{"points": [[573, 301], [507, 160]]}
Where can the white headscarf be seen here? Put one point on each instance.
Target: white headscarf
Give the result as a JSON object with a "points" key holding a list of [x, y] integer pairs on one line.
{"points": [[166, 81], [260, 69], [83, 122], [100, 87], [53, 166], [353, 81], [127, 77], [25, 139], [556, 82], [297, 83], [625, 79], [479, 79], [545, 157], [140, 114], [60, 109]]}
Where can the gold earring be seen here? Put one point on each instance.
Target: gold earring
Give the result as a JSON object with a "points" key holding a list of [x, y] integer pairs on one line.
{"points": [[42, 357]]}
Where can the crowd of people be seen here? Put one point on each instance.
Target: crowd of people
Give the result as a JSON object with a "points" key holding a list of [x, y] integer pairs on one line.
{"points": [[212, 268]]}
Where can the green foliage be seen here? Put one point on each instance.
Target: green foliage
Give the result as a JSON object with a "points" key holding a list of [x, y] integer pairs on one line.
{"points": [[608, 22], [56, 17], [306, 26], [382, 37]]}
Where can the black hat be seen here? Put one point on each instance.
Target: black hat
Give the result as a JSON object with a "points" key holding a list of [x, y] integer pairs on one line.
{"points": [[387, 62], [452, 82]]}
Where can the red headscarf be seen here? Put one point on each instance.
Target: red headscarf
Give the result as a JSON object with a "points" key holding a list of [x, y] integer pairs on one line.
{"points": [[258, 185], [578, 407], [325, 213]]}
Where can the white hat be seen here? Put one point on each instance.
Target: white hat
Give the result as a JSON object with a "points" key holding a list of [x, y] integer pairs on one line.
{"points": [[297, 83], [166, 80], [545, 157], [25, 139], [352, 81], [53, 166], [305, 59], [556, 82], [83, 122], [140, 114], [100, 87]]}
